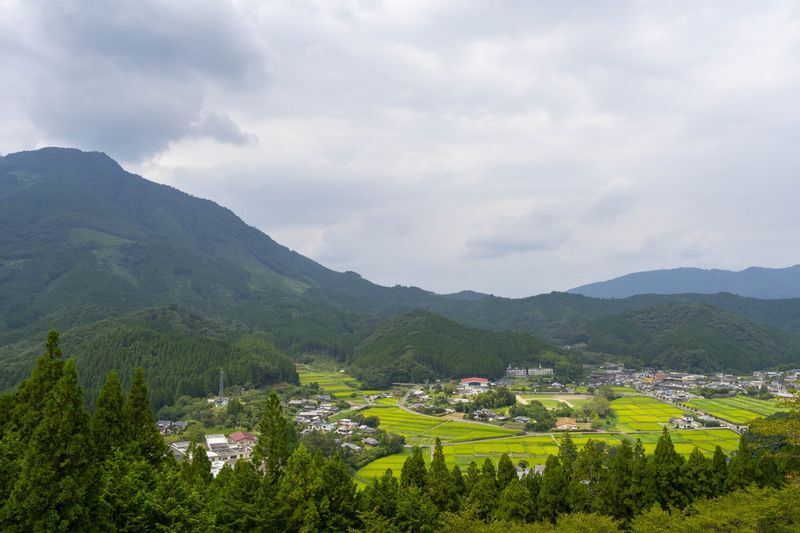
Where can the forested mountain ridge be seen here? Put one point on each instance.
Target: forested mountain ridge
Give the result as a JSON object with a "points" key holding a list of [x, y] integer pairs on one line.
{"points": [[692, 337], [84, 240], [754, 282], [421, 345], [183, 351]]}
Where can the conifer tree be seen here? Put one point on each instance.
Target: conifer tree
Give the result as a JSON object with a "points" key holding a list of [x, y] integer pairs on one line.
{"points": [[457, 486], [414, 473], [380, 497], [439, 482], [515, 502], [567, 455], [668, 473], [276, 438], [299, 491], [339, 497], [719, 472], [552, 490], [415, 510], [235, 495], [698, 476], [615, 487], [33, 392], [506, 473], [197, 467], [141, 431], [58, 485], [108, 422], [643, 489], [472, 477]]}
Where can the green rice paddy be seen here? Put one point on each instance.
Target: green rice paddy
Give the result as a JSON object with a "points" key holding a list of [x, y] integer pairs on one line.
{"points": [[421, 429], [337, 383], [738, 409], [642, 413]]}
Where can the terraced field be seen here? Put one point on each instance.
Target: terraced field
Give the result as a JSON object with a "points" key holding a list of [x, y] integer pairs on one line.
{"points": [[337, 383], [739, 409], [642, 413], [420, 429], [536, 448]]}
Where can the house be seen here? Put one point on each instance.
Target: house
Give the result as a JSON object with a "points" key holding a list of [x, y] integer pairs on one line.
{"points": [[216, 441], [179, 449], [242, 438], [369, 441], [475, 382], [164, 426], [350, 446], [566, 423]]}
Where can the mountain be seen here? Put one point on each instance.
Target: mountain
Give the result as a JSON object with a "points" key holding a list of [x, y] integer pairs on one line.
{"points": [[692, 337], [183, 353], [754, 282], [419, 345], [84, 241]]}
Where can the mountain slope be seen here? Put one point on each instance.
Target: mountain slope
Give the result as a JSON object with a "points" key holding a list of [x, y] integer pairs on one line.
{"points": [[754, 282], [692, 337], [421, 345], [182, 352]]}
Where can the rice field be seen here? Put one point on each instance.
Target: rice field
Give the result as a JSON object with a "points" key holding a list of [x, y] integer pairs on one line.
{"points": [[642, 413], [337, 383], [536, 448], [421, 429], [738, 409]]}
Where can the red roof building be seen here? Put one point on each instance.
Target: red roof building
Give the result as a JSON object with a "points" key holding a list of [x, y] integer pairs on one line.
{"points": [[242, 437]]}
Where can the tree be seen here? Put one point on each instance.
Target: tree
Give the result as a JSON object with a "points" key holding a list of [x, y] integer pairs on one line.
{"points": [[668, 473], [58, 485], [413, 473], [339, 500], [567, 455], [719, 472], [506, 473], [615, 487], [276, 438], [515, 502], [415, 511], [698, 476], [235, 498], [380, 497], [457, 486], [108, 422], [552, 492], [299, 492], [472, 477], [197, 467], [439, 482], [141, 431]]}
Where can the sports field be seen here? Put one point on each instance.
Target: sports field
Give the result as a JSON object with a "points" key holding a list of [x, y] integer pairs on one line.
{"points": [[642, 413], [421, 429], [536, 448], [739, 409]]}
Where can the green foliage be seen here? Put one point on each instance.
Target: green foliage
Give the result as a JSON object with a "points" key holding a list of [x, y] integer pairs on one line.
{"points": [[277, 438], [421, 345]]}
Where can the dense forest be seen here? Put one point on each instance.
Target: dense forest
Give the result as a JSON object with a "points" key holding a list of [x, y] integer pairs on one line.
{"points": [[63, 469], [183, 353], [421, 345]]}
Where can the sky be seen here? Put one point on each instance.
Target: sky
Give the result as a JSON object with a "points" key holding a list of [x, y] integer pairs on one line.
{"points": [[508, 147]]}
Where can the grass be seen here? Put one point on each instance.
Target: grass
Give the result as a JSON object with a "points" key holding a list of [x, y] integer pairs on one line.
{"points": [[547, 401], [642, 413], [421, 429], [739, 409]]}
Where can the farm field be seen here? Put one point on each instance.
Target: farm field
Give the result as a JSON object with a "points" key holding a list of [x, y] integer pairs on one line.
{"points": [[547, 400], [331, 382], [420, 429], [642, 413], [536, 448], [739, 409]]}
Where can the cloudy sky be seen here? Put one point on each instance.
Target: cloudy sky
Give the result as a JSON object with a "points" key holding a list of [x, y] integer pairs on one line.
{"points": [[511, 147]]}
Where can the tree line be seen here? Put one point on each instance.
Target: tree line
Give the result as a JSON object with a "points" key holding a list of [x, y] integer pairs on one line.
{"points": [[62, 469]]}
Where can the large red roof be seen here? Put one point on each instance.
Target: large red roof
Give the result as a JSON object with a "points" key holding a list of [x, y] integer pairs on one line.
{"points": [[474, 380]]}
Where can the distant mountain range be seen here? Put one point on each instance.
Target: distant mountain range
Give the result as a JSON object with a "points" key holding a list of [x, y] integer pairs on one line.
{"points": [[754, 282], [87, 247]]}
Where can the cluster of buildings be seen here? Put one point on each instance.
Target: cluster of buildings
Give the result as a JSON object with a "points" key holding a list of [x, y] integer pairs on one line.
{"points": [[314, 415], [529, 372], [221, 450]]}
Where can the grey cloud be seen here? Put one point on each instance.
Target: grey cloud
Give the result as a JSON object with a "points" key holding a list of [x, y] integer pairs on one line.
{"points": [[223, 129]]}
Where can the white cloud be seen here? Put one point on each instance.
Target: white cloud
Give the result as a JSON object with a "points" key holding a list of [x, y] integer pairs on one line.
{"points": [[508, 147]]}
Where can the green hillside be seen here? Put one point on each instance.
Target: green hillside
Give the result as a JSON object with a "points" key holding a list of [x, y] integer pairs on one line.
{"points": [[182, 351], [692, 337], [83, 240], [420, 345]]}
